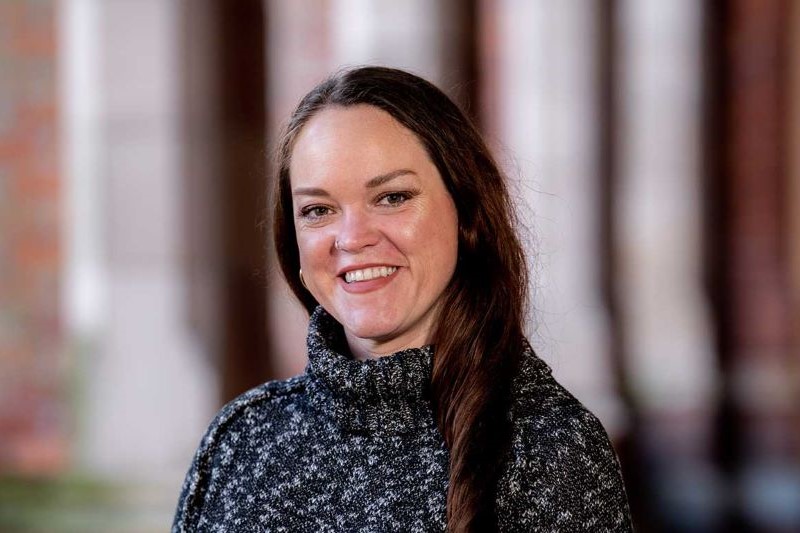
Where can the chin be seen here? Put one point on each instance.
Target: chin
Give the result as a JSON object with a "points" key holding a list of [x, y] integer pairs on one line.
{"points": [[370, 329]]}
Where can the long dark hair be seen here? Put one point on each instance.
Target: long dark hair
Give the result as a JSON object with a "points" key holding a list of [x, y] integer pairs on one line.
{"points": [[478, 336]]}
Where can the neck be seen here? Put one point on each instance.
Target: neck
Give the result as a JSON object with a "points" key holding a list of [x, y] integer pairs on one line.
{"points": [[388, 395], [363, 349]]}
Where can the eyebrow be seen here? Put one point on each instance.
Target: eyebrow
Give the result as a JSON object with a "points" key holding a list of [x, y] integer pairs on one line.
{"points": [[377, 181]]}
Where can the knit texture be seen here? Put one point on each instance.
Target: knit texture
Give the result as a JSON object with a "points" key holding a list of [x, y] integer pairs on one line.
{"points": [[353, 446]]}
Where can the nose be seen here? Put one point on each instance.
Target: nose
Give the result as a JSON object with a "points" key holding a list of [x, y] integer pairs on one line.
{"points": [[356, 232]]}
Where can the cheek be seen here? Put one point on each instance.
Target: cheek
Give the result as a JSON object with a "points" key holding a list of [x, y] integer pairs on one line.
{"points": [[444, 236], [434, 240], [311, 249]]}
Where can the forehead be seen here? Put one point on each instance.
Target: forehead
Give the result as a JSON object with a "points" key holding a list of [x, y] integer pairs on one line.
{"points": [[360, 139]]}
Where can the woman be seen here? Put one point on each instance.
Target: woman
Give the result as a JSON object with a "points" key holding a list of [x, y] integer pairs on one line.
{"points": [[422, 407]]}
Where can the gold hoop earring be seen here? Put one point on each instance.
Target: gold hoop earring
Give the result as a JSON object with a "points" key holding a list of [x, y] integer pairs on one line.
{"points": [[303, 281]]}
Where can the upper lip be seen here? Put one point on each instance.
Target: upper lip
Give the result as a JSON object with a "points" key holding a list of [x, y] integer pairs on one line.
{"points": [[350, 268]]}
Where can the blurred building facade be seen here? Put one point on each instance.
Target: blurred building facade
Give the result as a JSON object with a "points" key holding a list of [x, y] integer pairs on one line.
{"points": [[653, 149], [33, 374]]}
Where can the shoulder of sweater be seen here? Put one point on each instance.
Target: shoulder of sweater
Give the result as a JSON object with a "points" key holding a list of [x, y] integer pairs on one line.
{"points": [[562, 472], [257, 398], [548, 415]]}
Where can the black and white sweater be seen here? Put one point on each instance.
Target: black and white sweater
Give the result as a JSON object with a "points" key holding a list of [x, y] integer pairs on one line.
{"points": [[353, 446]]}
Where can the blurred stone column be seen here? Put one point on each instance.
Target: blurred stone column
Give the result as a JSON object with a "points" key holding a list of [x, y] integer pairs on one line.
{"points": [[149, 392], [658, 225], [763, 371], [242, 182], [792, 237], [431, 39], [224, 174], [221, 104], [540, 63]]}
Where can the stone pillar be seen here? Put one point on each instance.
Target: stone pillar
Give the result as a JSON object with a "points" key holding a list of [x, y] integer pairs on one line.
{"points": [[149, 391], [222, 84], [761, 365], [792, 208], [415, 35], [543, 90], [658, 212], [242, 183], [659, 204]]}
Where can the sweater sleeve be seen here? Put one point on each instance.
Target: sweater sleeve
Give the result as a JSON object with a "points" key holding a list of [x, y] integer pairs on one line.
{"points": [[184, 510], [564, 476], [217, 449], [196, 483]]}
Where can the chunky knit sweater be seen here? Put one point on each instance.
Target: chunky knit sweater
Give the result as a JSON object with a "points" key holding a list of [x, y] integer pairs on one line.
{"points": [[353, 446]]}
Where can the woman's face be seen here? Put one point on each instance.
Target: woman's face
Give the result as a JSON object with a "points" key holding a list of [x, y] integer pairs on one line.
{"points": [[376, 228]]}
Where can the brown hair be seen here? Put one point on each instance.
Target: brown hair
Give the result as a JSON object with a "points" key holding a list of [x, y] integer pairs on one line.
{"points": [[478, 337]]}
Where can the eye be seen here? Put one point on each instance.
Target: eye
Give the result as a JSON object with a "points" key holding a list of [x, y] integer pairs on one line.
{"points": [[314, 212], [394, 198]]}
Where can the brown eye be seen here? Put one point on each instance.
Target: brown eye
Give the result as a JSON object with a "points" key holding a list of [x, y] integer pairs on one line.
{"points": [[394, 198], [314, 212]]}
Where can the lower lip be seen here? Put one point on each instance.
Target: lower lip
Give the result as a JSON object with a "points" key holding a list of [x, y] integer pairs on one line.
{"points": [[358, 287]]}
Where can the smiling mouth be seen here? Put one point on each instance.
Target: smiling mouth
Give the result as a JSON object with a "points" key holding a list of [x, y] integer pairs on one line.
{"points": [[366, 274]]}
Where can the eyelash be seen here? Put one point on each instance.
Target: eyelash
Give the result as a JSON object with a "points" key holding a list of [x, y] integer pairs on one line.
{"points": [[406, 195], [307, 212]]}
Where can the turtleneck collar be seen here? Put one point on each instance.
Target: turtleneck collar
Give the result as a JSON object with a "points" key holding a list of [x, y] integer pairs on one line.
{"points": [[390, 394]]}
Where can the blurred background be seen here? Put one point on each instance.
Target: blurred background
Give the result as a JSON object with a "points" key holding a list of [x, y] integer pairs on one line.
{"points": [[653, 148]]}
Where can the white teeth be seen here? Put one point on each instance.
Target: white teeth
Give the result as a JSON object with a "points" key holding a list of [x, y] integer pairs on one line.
{"points": [[366, 274]]}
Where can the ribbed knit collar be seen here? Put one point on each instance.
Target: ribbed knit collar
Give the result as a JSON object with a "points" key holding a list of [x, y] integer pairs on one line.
{"points": [[378, 396]]}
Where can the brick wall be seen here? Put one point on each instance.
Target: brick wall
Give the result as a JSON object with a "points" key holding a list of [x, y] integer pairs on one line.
{"points": [[32, 366]]}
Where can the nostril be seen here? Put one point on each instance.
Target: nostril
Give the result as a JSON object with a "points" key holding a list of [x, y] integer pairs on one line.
{"points": [[355, 243], [355, 232]]}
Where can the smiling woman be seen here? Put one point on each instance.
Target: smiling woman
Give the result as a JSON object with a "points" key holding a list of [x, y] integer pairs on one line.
{"points": [[374, 224], [423, 407]]}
